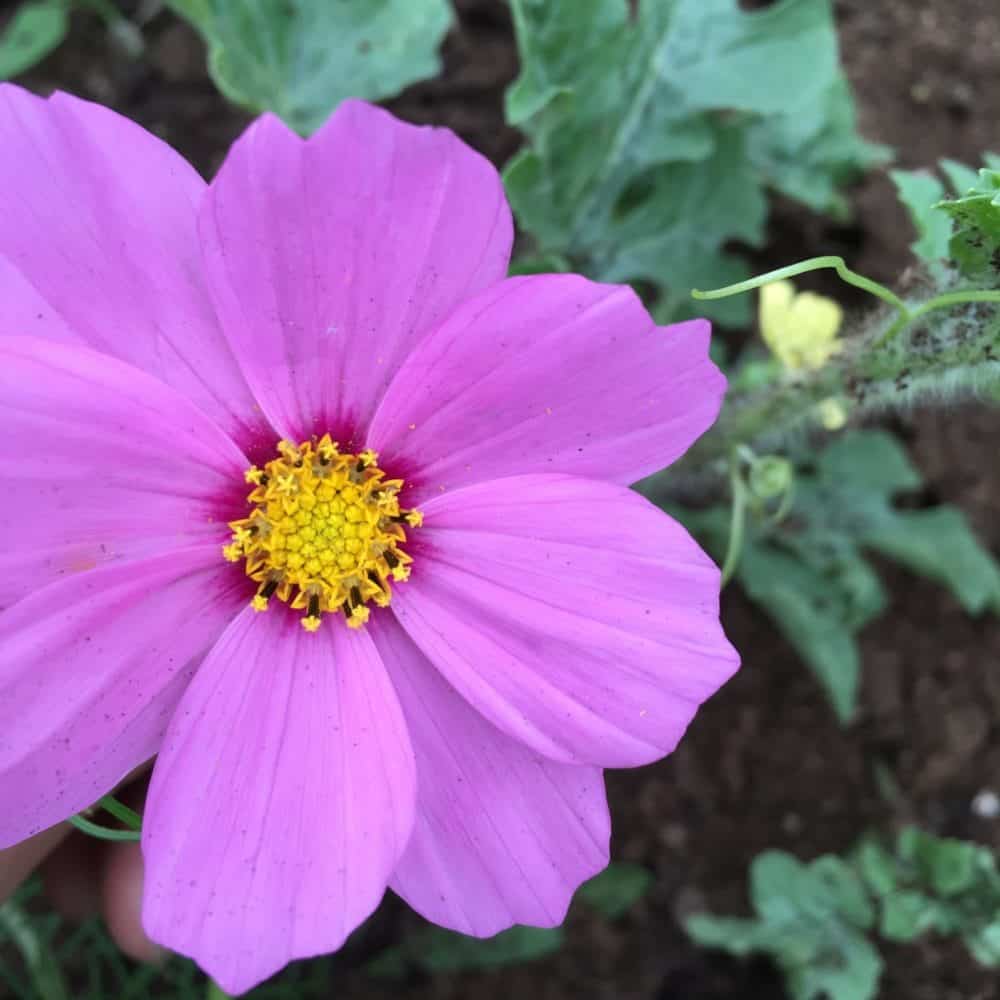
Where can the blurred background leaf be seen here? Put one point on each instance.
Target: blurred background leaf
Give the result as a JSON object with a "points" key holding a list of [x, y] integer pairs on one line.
{"points": [[811, 919], [652, 140], [35, 29], [301, 58]]}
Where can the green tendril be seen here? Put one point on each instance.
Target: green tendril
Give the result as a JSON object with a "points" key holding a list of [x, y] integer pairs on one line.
{"points": [[103, 832], [905, 317], [120, 811], [812, 264]]}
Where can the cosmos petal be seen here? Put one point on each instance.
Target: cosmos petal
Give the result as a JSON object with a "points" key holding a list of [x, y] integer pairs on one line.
{"points": [[281, 801], [576, 616], [91, 669], [98, 462], [550, 373], [328, 258], [502, 836], [99, 245]]}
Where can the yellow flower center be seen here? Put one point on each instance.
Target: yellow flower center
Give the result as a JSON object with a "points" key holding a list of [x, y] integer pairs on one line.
{"points": [[325, 532]]}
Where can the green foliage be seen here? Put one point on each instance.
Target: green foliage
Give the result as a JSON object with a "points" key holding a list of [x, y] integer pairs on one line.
{"points": [[36, 29], [652, 139], [810, 572], [920, 192], [612, 893], [975, 245], [938, 884], [617, 889], [88, 957], [813, 919], [433, 949], [60, 960], [300, 58], [958, 222]]}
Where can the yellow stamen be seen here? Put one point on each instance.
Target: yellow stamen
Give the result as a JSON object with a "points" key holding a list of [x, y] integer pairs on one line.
{"points": [[324, 532]]}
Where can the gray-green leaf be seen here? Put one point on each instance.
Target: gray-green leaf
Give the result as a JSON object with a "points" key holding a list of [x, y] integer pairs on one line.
{"points": [[649, 143], [300, 58], [35, 30]]}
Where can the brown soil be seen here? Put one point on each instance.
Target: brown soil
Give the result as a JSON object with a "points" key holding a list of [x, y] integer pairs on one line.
{"points": [[765, 764]]}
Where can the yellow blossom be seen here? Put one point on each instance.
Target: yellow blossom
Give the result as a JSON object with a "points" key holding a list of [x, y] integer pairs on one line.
{"points": [[799, 328]]}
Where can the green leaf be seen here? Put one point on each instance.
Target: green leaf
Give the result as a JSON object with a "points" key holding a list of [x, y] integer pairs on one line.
{"points": [[984, 944], [804, 606], [445, 951], [850, 971], [906, 915], [947, 865], [939, 544], [35, 951], [35, 30], [811, 920], [649, 142], [539, 264], [301, 58], [877, 866], [921, 192], [962, 179], [739, 936], [435, 949], [975, 245], [837, 882], [617, 889], [809, 153], [869, 461]]}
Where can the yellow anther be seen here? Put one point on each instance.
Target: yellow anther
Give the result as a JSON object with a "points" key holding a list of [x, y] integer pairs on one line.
{"points": [[286, 485], [358, 616], [324, 533]]}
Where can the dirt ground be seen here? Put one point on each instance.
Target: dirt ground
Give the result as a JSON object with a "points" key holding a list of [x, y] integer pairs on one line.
{"points": [[765, 764]]}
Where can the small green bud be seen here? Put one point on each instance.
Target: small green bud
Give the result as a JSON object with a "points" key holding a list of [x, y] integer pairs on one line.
{"points": [[770, 476]]}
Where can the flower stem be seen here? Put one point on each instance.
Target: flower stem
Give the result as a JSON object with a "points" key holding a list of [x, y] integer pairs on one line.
{"points": [[812, 264], [938, 302], [737, 523]]}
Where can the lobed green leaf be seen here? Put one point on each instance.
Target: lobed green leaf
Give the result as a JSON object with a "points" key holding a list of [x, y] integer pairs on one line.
{"points": [[300, 58]]}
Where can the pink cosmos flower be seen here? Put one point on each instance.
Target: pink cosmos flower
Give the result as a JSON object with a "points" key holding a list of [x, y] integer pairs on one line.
{"points": [[234, 410]]}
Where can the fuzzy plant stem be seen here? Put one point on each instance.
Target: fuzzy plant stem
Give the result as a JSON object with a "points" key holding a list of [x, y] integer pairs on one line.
{"points": [[934, 348]]}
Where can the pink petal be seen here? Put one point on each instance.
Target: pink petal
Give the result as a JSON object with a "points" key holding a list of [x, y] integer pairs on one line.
{"points": [[328, 258], [98, 462], [281, 801], [550, 373], [502, 836], [100, 240], [91, 669], [576, 616]]}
